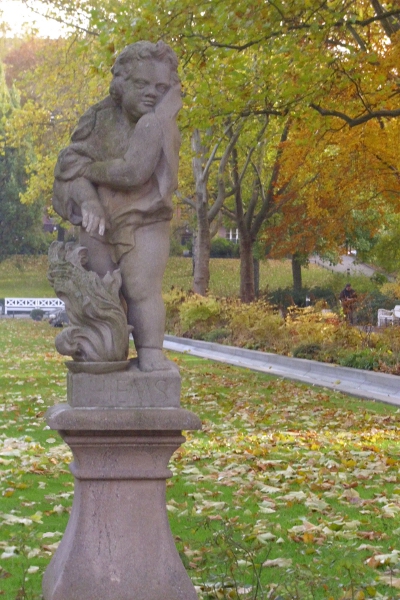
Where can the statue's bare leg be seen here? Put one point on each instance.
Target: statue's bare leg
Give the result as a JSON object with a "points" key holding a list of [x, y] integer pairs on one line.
{"points": [[142, 271]]}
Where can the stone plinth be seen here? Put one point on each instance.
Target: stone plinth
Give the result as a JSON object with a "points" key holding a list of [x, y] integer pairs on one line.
{"points": [[118, 544], [130, 388]]}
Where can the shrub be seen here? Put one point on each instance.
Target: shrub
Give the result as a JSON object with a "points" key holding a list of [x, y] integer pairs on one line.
{"points": [[258, 326], [389, 339], [391, 289], [175, 247], [362, 359], [366, 310], [216, 335], [347, 336], [37, 314], [173, 300], [198, 313], [287, 296], [311, 326], [379, 279], [309, 351], [222, 248]]}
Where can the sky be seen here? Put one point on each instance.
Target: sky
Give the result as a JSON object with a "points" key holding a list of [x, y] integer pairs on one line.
{"points": [[15, 13]]}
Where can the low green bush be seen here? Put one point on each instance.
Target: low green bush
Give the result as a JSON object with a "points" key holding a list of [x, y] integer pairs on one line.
{"points": [[222, 248], [37, 314], [368, 359], [175, 247], [310, 351], [216, 335], [379, 279]]}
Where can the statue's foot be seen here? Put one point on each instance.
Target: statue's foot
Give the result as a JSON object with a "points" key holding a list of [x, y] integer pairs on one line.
{"points": [[153, 359]]}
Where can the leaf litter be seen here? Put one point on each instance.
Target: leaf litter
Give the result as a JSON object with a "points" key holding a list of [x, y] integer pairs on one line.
{"points": [[287, 492]]}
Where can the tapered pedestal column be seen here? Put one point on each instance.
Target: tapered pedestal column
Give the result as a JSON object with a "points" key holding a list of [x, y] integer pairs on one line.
{"points": [[118, 544]]}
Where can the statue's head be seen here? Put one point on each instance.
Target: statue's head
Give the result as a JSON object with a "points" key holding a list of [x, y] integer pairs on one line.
{"points": [[142, 75]]}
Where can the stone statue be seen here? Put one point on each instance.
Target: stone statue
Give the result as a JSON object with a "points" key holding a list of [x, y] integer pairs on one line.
{"points": [[99, 332], [116, 181]]}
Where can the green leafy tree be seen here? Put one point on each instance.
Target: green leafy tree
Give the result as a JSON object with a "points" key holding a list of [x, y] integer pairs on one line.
{"points": [[20, 225], [335, 62]]}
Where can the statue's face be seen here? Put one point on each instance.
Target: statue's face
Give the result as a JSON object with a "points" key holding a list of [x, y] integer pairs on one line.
{"points": [[145, 87]]}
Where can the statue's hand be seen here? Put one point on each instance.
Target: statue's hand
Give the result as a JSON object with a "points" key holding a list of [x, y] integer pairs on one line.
{"points": [[171, 104], [93, 217]]}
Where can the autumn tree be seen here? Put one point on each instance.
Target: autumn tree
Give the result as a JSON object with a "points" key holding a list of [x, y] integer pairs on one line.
{"points": [[20, 225], [250, 61], [342, 191]]}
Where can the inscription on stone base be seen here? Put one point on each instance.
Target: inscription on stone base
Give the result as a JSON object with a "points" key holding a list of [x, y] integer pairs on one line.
{"points": [[132, 388]]}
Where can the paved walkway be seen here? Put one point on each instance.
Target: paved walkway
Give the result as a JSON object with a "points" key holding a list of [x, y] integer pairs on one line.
{"points": [[355, 382], [348, 265]]}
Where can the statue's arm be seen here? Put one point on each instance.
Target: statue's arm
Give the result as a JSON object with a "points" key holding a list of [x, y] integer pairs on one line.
{"points": [[139, 162]]}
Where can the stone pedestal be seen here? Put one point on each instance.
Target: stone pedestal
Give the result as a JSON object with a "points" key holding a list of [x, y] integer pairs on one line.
{"points": [[118, 544]]}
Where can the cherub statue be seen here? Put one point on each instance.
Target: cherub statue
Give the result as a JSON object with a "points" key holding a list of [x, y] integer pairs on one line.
{"points": [[116, 181]]}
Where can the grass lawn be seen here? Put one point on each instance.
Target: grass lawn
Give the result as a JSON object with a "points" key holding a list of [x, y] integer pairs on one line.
{"points": [[288, 492], [25, 276]]}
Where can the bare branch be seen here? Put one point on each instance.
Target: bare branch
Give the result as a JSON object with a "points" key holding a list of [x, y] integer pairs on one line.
{"points": [[213, 153], [353, 122], [357, 37], [269, 196], [302, 26], [252, 150], [185, 200]]}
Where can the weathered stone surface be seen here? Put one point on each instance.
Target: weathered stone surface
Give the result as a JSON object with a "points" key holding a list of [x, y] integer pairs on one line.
{"points": [[116, 179], [118, 544], [64, 417], [99, 330], [131, 388]]}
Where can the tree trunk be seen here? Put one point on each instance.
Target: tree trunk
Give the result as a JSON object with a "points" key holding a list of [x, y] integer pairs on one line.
{"points": [[247, 292], [256, 268], [296, 272], [202, 242], [201, 271]]}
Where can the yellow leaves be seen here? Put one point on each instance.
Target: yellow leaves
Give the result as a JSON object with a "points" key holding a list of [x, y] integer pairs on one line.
{"points": [[350, 463]]}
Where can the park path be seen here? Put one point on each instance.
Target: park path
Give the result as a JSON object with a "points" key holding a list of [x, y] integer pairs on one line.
{"points": [[381, 387], [347, 265]]}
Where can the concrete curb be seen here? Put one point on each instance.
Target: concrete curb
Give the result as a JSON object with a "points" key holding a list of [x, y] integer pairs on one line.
{"points": [[356, 382]]}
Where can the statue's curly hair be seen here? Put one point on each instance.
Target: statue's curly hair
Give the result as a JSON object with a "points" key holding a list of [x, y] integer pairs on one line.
{"points": [[143, 51]]}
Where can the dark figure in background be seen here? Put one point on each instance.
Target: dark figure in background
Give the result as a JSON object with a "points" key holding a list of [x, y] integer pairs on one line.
{"points": [[348, 299]]}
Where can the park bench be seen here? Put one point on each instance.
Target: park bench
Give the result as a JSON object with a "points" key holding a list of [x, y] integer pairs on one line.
{"points": [[388, 317], [21, 305]]}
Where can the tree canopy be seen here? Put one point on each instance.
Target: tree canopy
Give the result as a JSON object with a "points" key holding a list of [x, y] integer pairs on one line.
{"points": [[328, 68]]}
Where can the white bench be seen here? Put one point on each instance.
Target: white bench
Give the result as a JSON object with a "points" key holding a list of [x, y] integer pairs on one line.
{"points": [[12, 305], [386, 317]]}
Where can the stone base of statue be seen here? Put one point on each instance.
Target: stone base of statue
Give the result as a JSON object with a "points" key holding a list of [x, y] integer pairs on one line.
{"points": [[122, 429]]}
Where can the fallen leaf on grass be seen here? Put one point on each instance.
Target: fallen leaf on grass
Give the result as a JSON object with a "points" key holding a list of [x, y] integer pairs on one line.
{"points": [[390, 580], [278, 562]]}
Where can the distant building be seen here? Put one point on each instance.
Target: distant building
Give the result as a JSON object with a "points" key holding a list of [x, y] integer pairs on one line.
{"points": [[229, 234]]}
